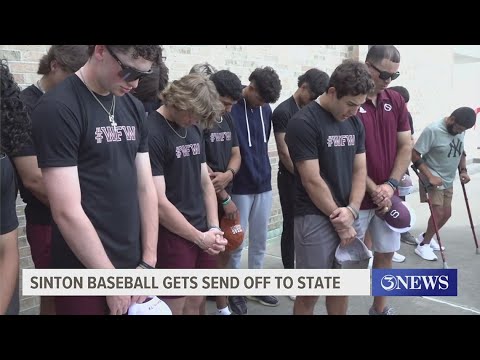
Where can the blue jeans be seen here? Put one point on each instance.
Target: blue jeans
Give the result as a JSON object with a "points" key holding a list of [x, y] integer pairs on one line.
{"points": [[255, 213]]}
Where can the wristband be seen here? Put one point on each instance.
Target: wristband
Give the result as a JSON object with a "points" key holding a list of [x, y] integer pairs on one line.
{"points": [[463, 170], [144, 265], [214, 227], [233, 171], [227, 201], [223, 200], [354, 211], [393, 183]]}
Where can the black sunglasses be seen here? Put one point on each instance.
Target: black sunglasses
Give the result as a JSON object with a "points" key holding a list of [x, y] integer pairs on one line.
{"points": [[128, 73], [385, 75]]}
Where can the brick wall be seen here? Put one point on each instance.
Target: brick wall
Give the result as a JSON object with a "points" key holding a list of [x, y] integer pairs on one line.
{"points": [[290, 61]]}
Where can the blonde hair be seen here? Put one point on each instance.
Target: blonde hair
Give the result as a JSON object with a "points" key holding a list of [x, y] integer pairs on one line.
{"points": [[196, 94]]}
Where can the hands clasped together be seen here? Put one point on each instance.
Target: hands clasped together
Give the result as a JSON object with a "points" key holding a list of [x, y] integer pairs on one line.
{"points": [[212, 241], [342, 220]]}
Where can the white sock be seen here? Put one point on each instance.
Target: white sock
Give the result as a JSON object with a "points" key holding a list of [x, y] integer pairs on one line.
{"points": [[224, 311]]}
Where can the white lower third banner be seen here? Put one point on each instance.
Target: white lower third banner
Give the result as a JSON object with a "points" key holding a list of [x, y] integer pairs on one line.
{"points": [[195, 282]]}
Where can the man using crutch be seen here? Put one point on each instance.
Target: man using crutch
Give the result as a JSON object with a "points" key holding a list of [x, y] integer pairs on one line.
{"points": [[437, 154]]}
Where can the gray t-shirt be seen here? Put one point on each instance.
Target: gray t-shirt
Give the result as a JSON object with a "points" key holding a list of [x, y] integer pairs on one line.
{"points": [[441, 151]]}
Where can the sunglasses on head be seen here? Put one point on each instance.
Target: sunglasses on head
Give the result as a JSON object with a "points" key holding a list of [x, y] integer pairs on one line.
{"points": [[128, 73], [385, 75]]}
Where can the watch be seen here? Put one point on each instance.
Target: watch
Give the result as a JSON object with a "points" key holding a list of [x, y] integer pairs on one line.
{"points": [[393, 182]]}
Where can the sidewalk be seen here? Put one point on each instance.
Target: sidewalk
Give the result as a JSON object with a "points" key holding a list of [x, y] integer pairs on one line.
{"points": [[460, 254]]}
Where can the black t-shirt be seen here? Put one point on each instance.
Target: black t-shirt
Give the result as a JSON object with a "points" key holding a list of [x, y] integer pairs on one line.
{"points": [[71, 129], [313, 133], [30, 97], [179, 160], [151, 106], [8, 220], [280, 117], [35, 211], [8, 212], [219, 141]]}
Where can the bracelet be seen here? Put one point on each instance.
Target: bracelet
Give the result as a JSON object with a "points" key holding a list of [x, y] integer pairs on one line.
{"points": [[463, 170], [227, 201], [354, 211], [233, 171], [391, 185], [214, 227], [144, 265]]}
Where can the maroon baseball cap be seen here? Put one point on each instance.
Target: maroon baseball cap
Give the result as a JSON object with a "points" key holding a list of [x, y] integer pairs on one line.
{"points": [[401, 217]]}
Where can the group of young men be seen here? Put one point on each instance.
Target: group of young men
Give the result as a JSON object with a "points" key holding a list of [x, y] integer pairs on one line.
{"points": [[119, 189]]}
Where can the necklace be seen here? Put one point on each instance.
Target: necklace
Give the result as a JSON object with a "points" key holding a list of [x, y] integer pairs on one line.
{"points": [[111, 113], [171, 127], [221, 120]]}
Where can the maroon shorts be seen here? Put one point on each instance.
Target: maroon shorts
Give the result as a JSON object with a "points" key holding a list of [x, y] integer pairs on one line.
{"points": [[81, 305], [40, 239], [175, 252]]}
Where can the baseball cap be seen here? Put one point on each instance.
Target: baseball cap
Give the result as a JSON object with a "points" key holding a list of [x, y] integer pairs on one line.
{"points": [[232, 231], [153, 306], [401, 217], [353, 256], [405, 186]]}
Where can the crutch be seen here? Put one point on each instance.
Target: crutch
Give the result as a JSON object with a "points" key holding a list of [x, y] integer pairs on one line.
{"points": [[425, 186], [468, 210]]}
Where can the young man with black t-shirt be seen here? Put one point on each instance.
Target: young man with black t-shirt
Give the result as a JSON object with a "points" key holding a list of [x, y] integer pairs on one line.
{"points": [[223, 158], [189, 233], [311, 85], [9, 258], [326, 144], [15, 130], [91, 140], [59, 62]]}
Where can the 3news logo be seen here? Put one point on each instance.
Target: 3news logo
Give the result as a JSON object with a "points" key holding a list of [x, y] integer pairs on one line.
{"points": [[414, 282]]}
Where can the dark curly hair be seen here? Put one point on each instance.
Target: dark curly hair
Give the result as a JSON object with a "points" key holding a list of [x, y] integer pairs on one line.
{"points": [[351, 78], [317, 81], [150, 86], [228, 84], [267, 83], [152, 53], [16, 128]]}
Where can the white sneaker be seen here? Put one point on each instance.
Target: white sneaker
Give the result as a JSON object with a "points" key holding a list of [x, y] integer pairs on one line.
{"points": [[425, 252], [225, 311], [398, 258], [433, 243]]}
